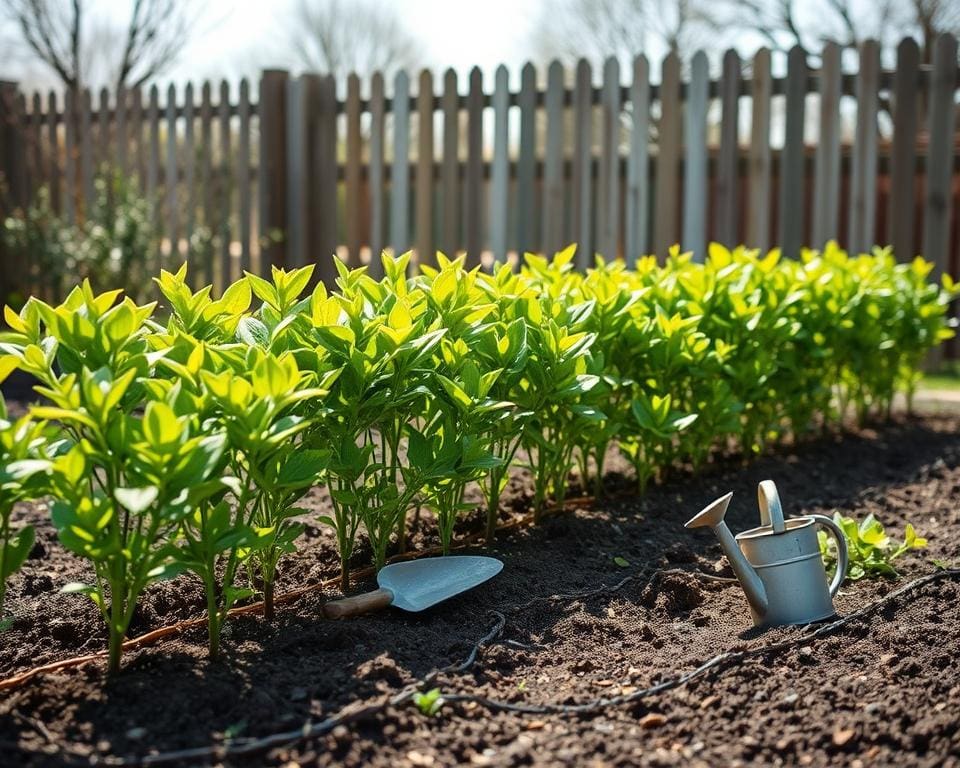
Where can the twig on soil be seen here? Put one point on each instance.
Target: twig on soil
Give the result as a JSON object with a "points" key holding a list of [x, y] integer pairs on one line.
{"points": [[357, 711]]}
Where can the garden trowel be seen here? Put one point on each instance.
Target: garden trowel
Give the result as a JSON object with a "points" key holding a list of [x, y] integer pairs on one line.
{"points": [[415, 585]]}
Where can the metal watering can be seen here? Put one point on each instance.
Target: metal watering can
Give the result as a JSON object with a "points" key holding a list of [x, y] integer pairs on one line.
{"points": [[778, 564]]}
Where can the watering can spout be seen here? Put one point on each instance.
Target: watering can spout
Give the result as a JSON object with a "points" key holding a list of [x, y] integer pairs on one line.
{"points": [[712, 516]]}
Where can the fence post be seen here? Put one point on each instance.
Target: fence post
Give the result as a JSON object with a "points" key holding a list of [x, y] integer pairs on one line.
{"points": [[272, 187], [12, 177]]}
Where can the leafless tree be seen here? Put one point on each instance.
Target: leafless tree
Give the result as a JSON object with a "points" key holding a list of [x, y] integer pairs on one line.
{"points": [[342, 36], [786, 23], [78, 44], [597, 29]]}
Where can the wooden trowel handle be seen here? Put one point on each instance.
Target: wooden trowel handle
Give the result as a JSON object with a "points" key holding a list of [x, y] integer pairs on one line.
{"points": [[354, 606]]}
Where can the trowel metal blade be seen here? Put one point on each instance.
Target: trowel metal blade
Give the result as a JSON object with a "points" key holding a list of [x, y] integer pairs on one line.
{"points": [[418, 584]]}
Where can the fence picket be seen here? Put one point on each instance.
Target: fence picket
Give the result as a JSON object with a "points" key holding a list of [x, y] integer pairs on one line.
{"points": [[352, 171], [170, 177], [474, 182], [583, 165], [324, 245], [400, 173], [638, 167], [450, 173], [900, 232], [500, 172], [136, 131], [37, 171], [526, 163], [695, 172], [376, 174], [272, 168], [936, 219], [206, 180], [863, 182], [827, 163], [302, 95], [608, 192], [54, 142], [728, 166], [243, 174], [426, 250], [86, 151], [758, 227], [189, 178], [103, 128], [122, 139], [226, 204], [668, 158], [554, 219], [791, 211], [153, 165]]}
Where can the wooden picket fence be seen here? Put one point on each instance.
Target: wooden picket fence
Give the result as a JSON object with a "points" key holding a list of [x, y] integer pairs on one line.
{"points": [[624, 167]]}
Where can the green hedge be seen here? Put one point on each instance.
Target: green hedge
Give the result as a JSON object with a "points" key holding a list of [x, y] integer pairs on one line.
{"points": [[184, 444]]}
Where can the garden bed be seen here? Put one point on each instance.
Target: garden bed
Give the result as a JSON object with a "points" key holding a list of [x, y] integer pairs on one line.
{"points": [[567, 624]]}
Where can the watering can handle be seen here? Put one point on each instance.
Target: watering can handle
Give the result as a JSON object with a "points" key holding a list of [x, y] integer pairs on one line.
{"points": [[771, 513], [842, 557]]}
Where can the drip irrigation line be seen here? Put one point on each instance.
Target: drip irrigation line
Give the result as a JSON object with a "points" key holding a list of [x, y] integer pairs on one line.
{"points": [[358, 711], [174, 630]]}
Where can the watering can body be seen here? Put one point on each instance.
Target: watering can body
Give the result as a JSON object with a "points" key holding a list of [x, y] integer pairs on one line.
{"points": [[778, 563]]}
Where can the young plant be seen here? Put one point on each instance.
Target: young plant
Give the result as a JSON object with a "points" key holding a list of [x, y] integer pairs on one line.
{"points": [[871, 550], [23, 476]]}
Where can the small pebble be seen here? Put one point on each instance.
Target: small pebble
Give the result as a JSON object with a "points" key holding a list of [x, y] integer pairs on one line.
{"points": [[842, 736], [653, 720]]}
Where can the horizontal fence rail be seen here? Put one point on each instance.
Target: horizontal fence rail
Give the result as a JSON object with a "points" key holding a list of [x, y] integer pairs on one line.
{"points": [[608, 159]]}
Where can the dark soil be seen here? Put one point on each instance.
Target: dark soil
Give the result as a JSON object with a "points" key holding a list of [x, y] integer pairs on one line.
{"points": [[880, 690]]}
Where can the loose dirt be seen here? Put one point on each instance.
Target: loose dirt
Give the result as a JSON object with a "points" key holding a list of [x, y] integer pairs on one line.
{"points": [[568, 623]]}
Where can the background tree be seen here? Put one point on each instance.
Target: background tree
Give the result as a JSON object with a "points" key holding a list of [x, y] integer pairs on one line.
{"points": [[342, 36], [85, 48]]}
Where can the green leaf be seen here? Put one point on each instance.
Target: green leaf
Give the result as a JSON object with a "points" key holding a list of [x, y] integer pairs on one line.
{"points": [[622, 562], [137, 500]]}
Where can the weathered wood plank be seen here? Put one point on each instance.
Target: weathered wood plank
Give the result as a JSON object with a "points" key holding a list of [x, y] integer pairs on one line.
{"points": [[553, 199], [376, 175], [272, 179], [122, 137], [189, 178], [302, 100], [103, 128], [400, 175], [758, 220], [863, 181], [695, 169], [426, 248], [638, 164], [666, 215], [900, 227], [243, 176], [86, 151], [53, 139], [583, 165], [170, 180], [206, 177], [473, 199], [325, 162], [153, 165], [527, 162], [826, 202], [450, 172], [38, 171], [353, 168], [608, 191], [791, 165], [937, 210], [500, 172], [138, 146], [728, 166], [70, 157], [226, 188]]}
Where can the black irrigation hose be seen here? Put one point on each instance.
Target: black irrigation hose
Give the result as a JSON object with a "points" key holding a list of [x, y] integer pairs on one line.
{"points": [[356, 711]]}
